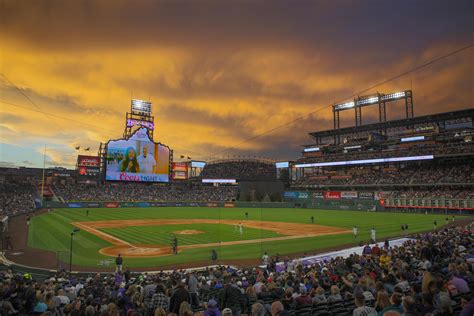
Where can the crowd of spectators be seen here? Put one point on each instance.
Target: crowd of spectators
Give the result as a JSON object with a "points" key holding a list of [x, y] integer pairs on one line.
{"points": [[435, 149], [412, 174], [430, 274], [240, 169], [16, 198], [435, 194], [135, 192]]}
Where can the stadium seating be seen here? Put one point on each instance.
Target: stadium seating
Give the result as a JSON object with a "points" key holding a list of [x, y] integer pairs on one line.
{"points": [[144, 192], [240, 169], [433, 273]]}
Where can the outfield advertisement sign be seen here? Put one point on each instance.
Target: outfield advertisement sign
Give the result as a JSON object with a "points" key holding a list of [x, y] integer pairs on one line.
{"points": [[349, 194], [296, 195], [74, 205], [318, 195], [332, 195], [111, 204], [366, 195]]}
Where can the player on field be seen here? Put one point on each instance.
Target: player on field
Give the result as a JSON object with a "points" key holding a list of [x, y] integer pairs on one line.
{"points": [[435, 224], [372, 235], [312, 219], [87, 213], [355, 231], [246, 215], [214, 256], [241, 228], [175, 245]]}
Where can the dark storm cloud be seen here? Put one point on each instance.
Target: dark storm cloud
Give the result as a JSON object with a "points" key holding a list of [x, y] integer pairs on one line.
{"points": [[389, 27], [221, 72]]}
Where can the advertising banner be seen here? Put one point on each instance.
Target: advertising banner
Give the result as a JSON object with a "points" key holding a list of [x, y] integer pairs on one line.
{"points": [[303, 195], [88, 165], [179, 170], [366, 195], [229, 205], [318, 195], [157, 204], [296, 195], [349, 194], [290, 194], [332, 195], [88, 161], [74, 205], [111, 204], [93, 205], [211, 204]]}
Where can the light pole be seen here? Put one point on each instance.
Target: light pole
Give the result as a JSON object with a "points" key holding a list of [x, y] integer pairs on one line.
{"points": [[74, 231]]}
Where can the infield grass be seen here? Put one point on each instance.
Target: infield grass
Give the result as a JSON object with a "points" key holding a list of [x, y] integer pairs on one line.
{"points": [[51, 231]]}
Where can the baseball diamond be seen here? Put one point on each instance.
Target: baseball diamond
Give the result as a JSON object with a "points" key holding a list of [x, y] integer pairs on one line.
{"points": [[143, 235]]}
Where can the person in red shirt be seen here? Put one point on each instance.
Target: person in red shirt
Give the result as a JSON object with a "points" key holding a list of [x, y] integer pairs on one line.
{"points": [[304, 299], [376, 250]]}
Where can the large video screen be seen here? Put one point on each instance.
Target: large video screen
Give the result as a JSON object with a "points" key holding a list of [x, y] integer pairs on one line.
{"points": [[137, 159]]}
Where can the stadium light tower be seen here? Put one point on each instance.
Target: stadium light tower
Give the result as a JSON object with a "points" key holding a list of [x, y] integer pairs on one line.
{"points": [[138, 117], [378, 98], [75, 230]]}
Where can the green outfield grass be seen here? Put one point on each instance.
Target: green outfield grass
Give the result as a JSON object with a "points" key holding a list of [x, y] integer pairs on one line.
{"points": [[51, 231], [162, 235]]}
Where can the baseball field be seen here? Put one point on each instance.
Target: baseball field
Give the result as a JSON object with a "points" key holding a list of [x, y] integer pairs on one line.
{"points": [[143, 236]]}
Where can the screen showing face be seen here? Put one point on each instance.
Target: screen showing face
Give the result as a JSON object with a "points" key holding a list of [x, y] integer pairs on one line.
{"points": [[137, 159]]}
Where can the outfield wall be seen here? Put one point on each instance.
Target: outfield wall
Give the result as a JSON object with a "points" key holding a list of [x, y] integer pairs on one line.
{"points": [[169, 204]]}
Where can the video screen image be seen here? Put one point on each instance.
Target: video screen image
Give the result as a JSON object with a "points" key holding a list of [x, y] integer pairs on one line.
{"points": [[137, 159]]}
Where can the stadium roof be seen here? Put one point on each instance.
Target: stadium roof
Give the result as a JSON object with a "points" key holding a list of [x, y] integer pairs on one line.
{"points": [[396, 123]]}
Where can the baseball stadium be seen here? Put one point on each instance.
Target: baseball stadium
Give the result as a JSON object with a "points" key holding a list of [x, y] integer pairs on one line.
{"points": [[363, 206]]}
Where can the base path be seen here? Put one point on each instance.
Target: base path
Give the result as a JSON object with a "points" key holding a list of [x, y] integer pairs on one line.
{"points": [[126, 249]]}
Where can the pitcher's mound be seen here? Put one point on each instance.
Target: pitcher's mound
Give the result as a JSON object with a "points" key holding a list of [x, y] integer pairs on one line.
{"points": [[188, 232]]}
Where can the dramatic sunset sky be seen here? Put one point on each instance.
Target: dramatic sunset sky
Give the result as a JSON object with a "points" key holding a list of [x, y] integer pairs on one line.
{"points": [[217, 72]]}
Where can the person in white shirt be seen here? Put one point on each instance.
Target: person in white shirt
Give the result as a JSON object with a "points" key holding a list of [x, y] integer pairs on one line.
{"points": [[147, 162], [355, 231], [372, 235]]}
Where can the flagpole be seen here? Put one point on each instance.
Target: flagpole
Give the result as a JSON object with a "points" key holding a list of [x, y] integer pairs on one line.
{"points": [[42, 181]]}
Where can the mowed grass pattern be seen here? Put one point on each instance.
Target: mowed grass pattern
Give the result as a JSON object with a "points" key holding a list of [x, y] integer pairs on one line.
{"points": [[51, 231], [163, 235]]}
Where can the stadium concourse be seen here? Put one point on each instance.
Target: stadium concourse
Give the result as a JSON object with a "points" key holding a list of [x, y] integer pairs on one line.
{"points": [[431, 274]]}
